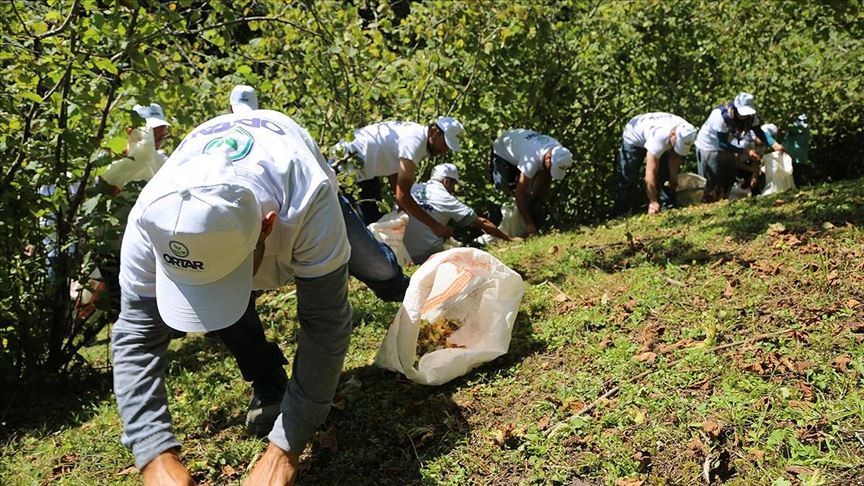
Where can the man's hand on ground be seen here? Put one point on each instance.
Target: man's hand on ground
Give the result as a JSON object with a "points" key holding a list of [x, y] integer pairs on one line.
{"points": [[275, 468], [166, 469], [653, 208]]}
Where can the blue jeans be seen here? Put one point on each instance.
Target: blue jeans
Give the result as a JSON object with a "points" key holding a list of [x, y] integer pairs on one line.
{"points": [[630, 159], [372, 262], [140, 338]]}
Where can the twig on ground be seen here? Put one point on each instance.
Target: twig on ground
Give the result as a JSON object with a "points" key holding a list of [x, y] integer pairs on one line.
{"points": [[672, 281], [557, 289], [587, 408], [706, 469]]}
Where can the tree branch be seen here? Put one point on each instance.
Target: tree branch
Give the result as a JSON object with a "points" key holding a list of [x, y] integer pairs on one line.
{"points": [[66, 22]]}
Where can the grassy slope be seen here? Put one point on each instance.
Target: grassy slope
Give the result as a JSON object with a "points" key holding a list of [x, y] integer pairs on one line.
{"points": [[602, 306]]}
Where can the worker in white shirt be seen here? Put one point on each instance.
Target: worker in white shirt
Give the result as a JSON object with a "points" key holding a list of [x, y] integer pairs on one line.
{"points": [[523, 164], [661, 139], [245, 202]]}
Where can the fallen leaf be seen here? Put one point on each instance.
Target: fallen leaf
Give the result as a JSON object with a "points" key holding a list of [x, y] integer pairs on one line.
{"points": [[229, 471], [799, 470], [604, 299], [806, 390], [832, 276], [803, 366], [647, 357], [853, 303], [606, 342], [129, 470], [729, 291], [696, 445], [776, 228], [842, 362], [779, 202], [561, 297], [757, 454], [827, 225], [629, 482], [712, 427], [543, 422], [327, 439]]}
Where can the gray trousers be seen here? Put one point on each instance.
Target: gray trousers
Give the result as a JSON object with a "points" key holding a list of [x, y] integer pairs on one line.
{"points": [[140, 339]]}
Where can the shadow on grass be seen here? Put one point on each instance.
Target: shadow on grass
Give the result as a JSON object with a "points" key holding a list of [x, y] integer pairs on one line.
{"points": [[746, 219], [390, 427], [53, 403]]}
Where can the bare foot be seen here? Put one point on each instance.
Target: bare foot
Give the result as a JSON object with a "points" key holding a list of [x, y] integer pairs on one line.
{"points": [[275, 468]]}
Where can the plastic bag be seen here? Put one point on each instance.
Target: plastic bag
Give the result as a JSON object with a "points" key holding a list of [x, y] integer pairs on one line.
{"points": [[690, 188], [390, 230], [778, 173], [465, 286], [511, 221]]}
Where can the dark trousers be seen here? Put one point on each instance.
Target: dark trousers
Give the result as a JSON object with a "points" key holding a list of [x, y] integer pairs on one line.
{"points": [[370, 194], [259, 360], [630, 160]]}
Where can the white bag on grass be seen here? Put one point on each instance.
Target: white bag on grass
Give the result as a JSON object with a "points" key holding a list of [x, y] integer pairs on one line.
{"points": [[511, 221], [390, 230], [464, 285], [778, 173], [690, 188]]}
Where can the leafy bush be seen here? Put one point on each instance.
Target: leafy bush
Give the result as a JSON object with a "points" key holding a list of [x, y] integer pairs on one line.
{"points": [[575, 69]]}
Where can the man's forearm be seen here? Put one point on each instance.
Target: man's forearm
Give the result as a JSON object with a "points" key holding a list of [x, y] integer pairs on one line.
{"points": [[410, 206], [489, 228], [652, 167]]}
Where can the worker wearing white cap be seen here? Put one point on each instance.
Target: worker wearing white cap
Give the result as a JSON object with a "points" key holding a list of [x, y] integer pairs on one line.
{"points": [[523, 164], [246, 202], [144, 154], [662, 139], [393, 150], [715, 152], [243, 98], [436, 198]]}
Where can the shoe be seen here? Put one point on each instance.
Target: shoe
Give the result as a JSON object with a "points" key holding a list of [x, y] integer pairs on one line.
{"points": [[264, 407]]}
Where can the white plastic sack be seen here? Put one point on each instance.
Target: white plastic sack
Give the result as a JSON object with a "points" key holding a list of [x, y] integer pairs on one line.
{"points": [[690, 188], [390, 230], [738, 192], [778, 173], [511, 221], [465, 285]]}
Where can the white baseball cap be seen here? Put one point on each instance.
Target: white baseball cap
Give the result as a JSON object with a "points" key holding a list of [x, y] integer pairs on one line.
{"points": [[203, 225], [152, 115], [243, 98], [744, 104], [452, 131], [685, 135], [440, 171], [562, 158]]}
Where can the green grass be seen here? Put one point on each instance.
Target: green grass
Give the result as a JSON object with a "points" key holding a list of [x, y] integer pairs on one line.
{"points": [[674, 291]]}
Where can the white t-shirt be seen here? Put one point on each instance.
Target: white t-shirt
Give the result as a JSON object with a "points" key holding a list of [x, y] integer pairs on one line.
{"points": [[381, 145], [281, 164], [525, 149], [142, 162], [432, 196], [651, 131]]}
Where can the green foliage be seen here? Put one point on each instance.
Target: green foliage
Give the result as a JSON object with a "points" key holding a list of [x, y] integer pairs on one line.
{"points": [[574, 69]]}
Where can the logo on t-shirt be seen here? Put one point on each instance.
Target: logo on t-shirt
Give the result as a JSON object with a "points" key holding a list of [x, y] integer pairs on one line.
{"points": [[236, 144]]}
